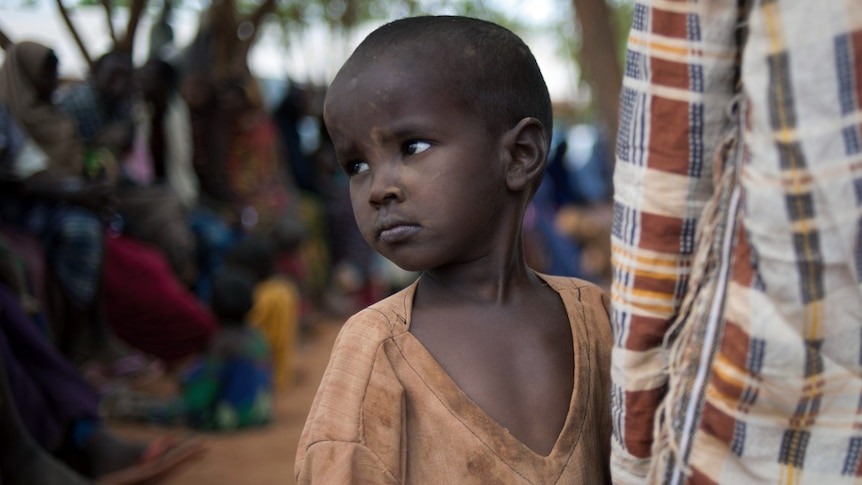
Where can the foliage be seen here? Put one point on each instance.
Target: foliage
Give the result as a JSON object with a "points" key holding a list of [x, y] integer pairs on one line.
{"points": [[342, 18], [345, 15]]}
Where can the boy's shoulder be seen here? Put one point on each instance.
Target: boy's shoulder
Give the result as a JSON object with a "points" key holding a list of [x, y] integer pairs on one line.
{"points": [[358, 343], [589, 306], [356, 374], [590, 294], [570, 282], [384, 319]]}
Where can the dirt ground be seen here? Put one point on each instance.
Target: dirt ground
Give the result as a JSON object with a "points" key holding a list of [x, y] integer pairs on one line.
{"points": [[265, 456]]}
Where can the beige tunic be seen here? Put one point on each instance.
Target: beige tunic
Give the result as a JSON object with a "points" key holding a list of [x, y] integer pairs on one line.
{"points": [[386, 412]]}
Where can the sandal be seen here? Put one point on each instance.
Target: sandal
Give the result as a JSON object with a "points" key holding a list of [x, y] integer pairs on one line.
{"points": [[163, 455]]}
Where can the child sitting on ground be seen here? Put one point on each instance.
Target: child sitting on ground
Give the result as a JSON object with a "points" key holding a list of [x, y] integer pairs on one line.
{"points": [[231, 387], [276, 308], [481, 371]]}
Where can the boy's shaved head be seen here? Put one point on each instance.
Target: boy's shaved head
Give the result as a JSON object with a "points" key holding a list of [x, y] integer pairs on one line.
{"points": [[490, 68]]}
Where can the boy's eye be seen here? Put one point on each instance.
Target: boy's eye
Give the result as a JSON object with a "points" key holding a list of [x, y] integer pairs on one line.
{"points": [[355, 167], [416, 147]]}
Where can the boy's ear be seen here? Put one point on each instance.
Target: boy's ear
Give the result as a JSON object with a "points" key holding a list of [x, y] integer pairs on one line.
{"points": [[527, 148]]}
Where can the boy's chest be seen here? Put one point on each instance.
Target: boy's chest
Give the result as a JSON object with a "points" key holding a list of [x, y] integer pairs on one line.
{"points": [[516, 365]]}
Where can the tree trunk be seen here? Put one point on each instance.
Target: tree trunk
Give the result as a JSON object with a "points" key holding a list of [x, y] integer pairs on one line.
{"points": [[72, 30], [599, 56], [136, 9], [106, 4]]}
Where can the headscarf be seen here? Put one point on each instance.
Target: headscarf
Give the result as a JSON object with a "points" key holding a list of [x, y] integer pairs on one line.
{"points": [[44, 122]]}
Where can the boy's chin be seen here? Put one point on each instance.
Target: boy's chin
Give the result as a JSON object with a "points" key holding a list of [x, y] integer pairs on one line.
{"points": [[409, 265], [410, 268], [410, 258]]}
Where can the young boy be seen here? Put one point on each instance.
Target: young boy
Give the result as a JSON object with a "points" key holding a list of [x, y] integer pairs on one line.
{"points": [[481, 371]]}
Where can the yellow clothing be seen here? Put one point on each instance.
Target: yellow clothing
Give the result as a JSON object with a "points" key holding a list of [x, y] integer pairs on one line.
{"points": [[387, 413], [276, 313]]}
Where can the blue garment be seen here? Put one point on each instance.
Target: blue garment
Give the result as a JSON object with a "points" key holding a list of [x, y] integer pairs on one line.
{"points": [[231, 386], [213, 238], [73, 239]]}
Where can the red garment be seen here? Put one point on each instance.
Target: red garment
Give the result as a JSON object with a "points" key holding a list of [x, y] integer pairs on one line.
{"points": [[255, 172], [147, 306]]}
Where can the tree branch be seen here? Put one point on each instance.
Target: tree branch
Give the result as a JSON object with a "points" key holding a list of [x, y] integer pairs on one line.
{"points": [[74, 33], [599, 56], [107, 5], [135, 10]]}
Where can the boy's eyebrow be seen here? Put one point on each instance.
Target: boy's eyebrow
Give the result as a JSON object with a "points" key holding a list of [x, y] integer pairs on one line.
{"points": [[405, 129], [344, 151], [390, 132]]}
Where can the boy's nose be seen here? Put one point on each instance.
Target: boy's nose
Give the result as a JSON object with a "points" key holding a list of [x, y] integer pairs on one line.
{"points": [[385, 189]]}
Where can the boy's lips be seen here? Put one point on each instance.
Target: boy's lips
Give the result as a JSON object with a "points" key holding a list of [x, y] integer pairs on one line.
{"points": [[392, 231]]}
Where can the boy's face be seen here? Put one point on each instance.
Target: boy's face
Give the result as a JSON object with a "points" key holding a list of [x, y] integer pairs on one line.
{"points": [[426, 178]]}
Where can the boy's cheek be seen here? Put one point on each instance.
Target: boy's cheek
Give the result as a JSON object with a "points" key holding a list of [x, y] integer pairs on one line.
{"points": [[365, 223]]}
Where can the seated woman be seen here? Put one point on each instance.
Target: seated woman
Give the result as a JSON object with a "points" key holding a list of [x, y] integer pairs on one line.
{"points": [[41, 162]]}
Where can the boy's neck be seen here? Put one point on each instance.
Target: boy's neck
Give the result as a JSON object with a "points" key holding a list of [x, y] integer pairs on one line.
{"points": [[477, 284]]}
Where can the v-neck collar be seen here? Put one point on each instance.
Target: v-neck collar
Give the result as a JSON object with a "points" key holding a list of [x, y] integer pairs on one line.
{"points": [[496, 437]]}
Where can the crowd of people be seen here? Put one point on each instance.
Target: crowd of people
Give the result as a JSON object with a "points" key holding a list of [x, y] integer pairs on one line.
{"points": [[155, 221], [132, 197]]}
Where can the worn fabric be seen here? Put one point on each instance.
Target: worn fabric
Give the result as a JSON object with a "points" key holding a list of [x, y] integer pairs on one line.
{"points": [[43, 122], [386, 412], [276, 311], [737, 245]]}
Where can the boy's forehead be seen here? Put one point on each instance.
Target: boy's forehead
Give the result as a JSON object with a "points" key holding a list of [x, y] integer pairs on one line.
{"points": [[373, 82]]}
